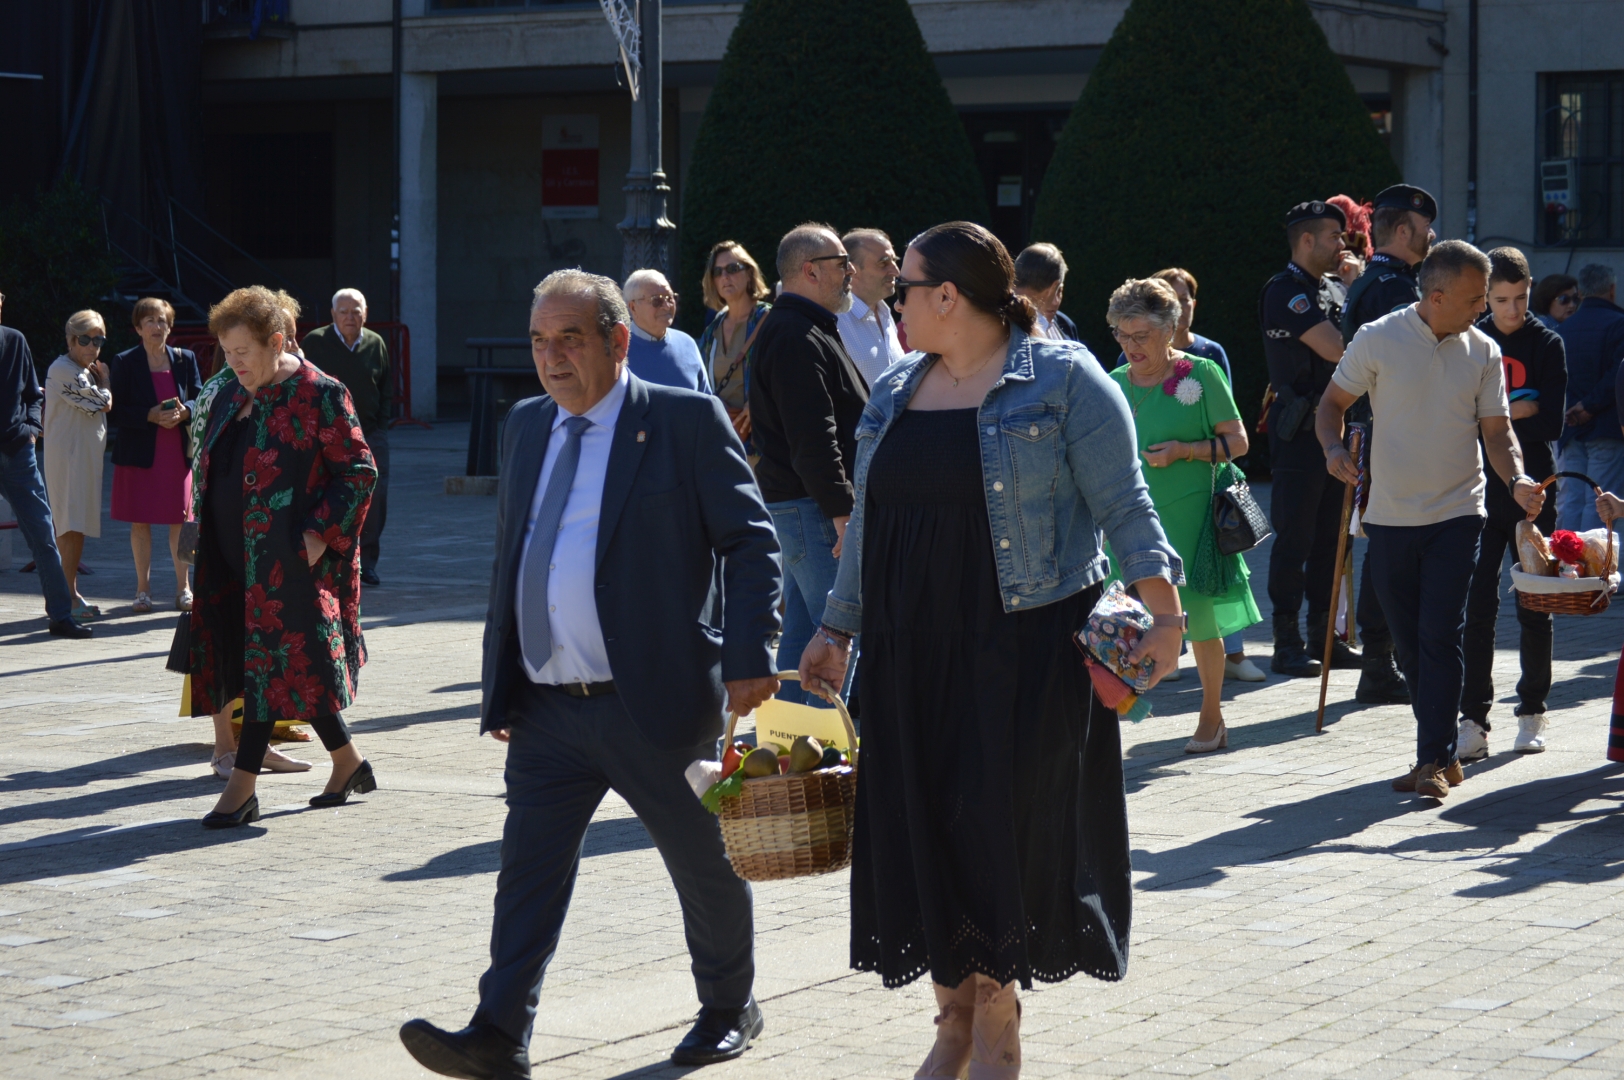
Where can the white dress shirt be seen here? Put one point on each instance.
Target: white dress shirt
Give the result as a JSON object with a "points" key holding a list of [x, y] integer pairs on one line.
{"points": [[579, 654], [870, 336]]}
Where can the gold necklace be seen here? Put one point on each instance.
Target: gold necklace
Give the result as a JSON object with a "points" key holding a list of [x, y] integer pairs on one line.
{"points": [[1149, 390], [977, 371]]}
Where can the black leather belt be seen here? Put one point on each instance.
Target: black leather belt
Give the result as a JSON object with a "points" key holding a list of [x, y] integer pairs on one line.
{"points": [[583, 689]]}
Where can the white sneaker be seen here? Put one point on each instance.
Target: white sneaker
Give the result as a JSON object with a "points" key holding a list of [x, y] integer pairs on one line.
{"points": [[1472, 743], [1530, 734], [1245, 671]]}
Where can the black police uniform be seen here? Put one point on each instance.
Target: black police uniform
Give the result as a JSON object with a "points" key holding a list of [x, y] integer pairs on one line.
{"points": [[1305, 506]]}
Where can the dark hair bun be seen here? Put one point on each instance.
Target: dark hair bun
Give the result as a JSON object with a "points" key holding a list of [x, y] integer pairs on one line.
{"points": [[1020, 311]]}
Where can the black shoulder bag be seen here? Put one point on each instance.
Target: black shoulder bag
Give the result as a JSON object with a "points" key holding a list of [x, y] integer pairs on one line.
{"points": [[1237, 520]]}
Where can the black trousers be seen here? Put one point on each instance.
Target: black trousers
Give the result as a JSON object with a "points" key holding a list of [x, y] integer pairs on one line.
{"points": [[378, 508], [1422, 574], [1483, 612], [1305, 511], [564, 755], [256, 739]]}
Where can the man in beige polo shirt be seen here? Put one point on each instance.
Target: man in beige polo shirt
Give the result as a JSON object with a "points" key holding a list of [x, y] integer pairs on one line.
{"points": [[1436, 382]]}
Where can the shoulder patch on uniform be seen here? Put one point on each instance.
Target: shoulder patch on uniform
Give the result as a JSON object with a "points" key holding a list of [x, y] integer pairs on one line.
{"points": [[1299, 303], [1276, 332]]}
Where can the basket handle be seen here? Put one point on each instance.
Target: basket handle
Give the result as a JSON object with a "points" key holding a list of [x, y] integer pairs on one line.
{"points": [[1593, 487], [840, 707]]}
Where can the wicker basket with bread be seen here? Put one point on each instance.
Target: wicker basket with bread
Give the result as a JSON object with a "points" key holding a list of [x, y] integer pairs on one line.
{"points": [[1569, 573]]}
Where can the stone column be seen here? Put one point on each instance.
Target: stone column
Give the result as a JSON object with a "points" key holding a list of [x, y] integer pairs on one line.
{"points": [[419, 230]]}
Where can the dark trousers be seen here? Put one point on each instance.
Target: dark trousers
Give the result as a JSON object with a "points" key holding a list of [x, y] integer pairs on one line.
{"points": [[565, 754], [256, 739], [1305, 511], [1422, 574], [1482, 613], [378, 508]]}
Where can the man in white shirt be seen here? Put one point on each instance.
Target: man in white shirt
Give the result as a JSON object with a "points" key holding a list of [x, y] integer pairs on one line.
{"points": [[1436, 383], [635, 593], [868, 330]]}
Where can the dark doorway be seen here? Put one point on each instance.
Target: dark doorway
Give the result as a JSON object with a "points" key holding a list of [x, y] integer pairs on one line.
{"points": [[1012, 150]]}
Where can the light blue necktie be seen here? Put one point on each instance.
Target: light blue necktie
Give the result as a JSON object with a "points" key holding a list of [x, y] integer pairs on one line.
{"points": [[538, 631]]}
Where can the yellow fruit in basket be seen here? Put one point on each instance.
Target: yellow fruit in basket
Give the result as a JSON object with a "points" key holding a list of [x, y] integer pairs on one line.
{"points": [[758, 763], [805, 755]]}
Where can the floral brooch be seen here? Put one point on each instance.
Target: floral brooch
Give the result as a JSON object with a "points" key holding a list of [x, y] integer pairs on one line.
{"points": [[1181, 384]]}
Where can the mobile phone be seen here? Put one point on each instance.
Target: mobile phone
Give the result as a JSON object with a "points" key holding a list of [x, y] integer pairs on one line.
{"points": [[170, 403]]}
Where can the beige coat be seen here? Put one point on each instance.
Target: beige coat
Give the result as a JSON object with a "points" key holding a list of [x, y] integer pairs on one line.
{"points": [[75, 447]]}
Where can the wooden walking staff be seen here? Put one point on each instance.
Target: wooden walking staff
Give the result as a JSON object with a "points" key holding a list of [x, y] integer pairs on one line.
{"points": [[1356, 446]]}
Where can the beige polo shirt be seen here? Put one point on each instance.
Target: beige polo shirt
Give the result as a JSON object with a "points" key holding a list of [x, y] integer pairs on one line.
{"points": [[1427, 396]]}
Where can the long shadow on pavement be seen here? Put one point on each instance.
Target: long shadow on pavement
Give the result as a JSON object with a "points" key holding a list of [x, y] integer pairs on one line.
{"points": [[93, 849]]}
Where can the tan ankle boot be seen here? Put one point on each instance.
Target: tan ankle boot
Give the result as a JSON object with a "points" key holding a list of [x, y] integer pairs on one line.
{"points": [[996, 1031], [951, 1054]]}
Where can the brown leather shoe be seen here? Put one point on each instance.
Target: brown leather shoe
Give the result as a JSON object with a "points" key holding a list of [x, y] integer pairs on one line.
{"points": [[1455, 774], [1427, 780]]}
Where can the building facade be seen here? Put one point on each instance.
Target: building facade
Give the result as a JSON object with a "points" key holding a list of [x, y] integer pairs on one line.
{"points": [[515, 130]]}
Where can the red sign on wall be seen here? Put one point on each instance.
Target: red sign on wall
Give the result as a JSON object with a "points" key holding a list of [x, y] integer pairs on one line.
{"points": [[569, 167]]}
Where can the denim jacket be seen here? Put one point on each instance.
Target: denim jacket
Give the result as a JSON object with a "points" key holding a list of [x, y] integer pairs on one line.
{"points": [[1059, 463]]}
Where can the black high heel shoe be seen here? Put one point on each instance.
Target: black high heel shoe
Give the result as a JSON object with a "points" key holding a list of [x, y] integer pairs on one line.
{"points": [[245, 814], [360, 782]]}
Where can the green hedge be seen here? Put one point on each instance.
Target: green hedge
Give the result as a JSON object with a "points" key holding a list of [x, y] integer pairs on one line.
{"points": [[827, 111], [53, 262], [1202, 123]]}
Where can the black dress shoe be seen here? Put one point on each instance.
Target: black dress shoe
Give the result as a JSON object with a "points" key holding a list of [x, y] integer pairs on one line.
{"points": [[69, 629], [1382, 683], [477, 1052], [1343, 656], [370, 577], [243, 815], [361, 780], [1293, 661], [719, 1035]]}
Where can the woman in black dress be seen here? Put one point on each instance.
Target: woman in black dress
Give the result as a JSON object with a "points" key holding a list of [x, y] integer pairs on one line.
{"points": [[991, 844]]}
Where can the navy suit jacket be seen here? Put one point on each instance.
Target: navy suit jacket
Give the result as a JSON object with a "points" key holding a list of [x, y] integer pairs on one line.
{"points": [[688, 570], [133, 397]]}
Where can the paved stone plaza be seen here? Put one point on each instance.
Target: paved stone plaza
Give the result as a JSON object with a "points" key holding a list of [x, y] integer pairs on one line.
{"points": [[1295, 917]]}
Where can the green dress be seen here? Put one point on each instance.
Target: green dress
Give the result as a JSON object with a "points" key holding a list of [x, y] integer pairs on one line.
{"points": [[1182, 491]]}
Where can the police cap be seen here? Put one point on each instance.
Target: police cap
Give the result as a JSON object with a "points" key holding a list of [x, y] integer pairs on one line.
{"points": [[1316, 208], [1408, 197]]}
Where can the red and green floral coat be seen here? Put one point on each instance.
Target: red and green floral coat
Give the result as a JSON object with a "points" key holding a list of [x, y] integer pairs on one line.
{"points": [[307, 469]]}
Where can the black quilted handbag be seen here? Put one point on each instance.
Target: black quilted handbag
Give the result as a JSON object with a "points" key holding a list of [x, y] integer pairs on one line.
{"points": [[1237, 519]]}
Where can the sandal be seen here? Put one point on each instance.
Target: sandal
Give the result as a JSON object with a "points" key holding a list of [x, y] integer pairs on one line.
{"points": [[143, 603], [276, 761], [183, 601], [84, 612], [223, 764]]}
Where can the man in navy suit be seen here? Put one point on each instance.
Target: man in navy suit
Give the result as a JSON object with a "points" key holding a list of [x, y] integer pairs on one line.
{"points": [[634, 596]]}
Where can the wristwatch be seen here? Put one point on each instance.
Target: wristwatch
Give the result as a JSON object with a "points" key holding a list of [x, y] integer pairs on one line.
{"points": [[1525, 478]]}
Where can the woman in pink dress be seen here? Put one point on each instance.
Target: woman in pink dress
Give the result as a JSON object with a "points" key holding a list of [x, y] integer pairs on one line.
{"points": [[154, 387]]}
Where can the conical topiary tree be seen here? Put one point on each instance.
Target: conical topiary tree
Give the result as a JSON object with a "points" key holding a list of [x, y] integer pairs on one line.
{"points": [[1201, 124], [829, 111]]}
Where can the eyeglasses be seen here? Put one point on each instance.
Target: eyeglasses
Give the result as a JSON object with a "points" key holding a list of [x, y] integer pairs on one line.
{"points": [[659, 300], [729, 270], [86, 339], [1138, 339], [1567, 298], [903, 286], [845, 260]]}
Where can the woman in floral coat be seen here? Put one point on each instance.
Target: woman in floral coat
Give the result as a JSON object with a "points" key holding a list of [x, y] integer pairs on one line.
{"points": [[286, 481]]}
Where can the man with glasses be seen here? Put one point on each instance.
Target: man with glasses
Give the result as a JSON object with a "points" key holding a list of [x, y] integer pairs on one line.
{"points": [[659, 354], [359, 358], [806, 396], [21, 485], [868, 330], [1302, 343]]}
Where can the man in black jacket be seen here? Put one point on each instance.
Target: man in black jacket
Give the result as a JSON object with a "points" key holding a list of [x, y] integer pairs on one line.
{"points": [[1536, 383], [806, 396], [20, 482]]}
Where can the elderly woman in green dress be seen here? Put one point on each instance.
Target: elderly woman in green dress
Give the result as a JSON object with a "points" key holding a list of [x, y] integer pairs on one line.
{"points": [[1184, 415]]}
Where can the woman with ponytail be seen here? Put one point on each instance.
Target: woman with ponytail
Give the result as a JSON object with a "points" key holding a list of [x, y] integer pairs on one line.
{"points": [[992, 841]]}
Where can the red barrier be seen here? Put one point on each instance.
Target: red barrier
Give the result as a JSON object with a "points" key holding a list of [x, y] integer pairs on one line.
{"points": [[396, 335]]}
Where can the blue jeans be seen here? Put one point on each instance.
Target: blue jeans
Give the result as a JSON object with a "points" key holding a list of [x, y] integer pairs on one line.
{"points": [[24, 488], [1422, 575], [807, 539], [1600, 459]]}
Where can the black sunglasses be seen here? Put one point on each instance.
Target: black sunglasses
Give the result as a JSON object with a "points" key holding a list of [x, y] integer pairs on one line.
{"points": [[1567, 298], [86, 339], [845, 260], [730, 268], [903, 287]]}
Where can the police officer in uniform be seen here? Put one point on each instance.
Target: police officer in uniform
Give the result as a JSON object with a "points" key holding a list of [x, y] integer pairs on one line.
{"points": [[1302, 342], [1401, 229]]}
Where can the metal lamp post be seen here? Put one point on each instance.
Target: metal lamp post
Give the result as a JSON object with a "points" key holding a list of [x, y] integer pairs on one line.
{"points": [[646, 229]]}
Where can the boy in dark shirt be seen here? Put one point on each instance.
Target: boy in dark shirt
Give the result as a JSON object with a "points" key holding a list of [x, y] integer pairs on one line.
{"points": [[1536, 383]]}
